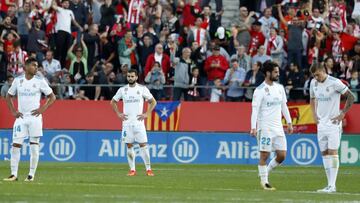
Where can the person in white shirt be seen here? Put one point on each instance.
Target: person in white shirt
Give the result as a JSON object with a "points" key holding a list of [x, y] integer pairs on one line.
{"points": [[52, 67], [28, 124], [269, 101], [325, 94], [132, 116]]}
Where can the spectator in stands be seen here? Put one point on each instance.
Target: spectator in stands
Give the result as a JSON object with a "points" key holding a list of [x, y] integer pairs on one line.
{"points": [[234, 79], [257, 38], [268, 22], [153, 13], [78, 65], [90, 92], [195, 80], [330, 67], [5, 4], [295, 29], [92, 41], [80, 13], [183, 68], [316, 19], [261, 55], [121, 76], [22, 28], [216, 65], [191, 9], [211, 21], [219, 8], [244, 23], [156, 80], [17, 59], [274, 46], [107, 50], [160, 57], [210, 50], [253, 78], [145, 47], [354, 82], [136, 13], [52, 67], [216, 91], [102, 77], [171, 21], [63, 29], [67, 91], [263, 5], [37, 39], [198, 34], [108, 12], [243, 59], [127, 51], [295, 80], [5, 88]]}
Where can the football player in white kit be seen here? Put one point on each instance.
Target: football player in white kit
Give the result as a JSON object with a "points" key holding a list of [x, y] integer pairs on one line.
{"points": [[325, 93], [133, 96], [269, 101], [28, 124]]}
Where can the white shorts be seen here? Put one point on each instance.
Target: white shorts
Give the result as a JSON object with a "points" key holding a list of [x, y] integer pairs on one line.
{"points": [[134, 133], [329, 138], [273, 142], [28, 126]]}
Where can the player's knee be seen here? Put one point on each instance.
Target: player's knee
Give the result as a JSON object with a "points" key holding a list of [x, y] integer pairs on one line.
{"points": [[129, 145], [142, 145], [280, 158], [34, 143], [16, 145]]}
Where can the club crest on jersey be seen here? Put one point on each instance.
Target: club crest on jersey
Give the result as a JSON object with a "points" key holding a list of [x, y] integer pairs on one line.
{"points": [[34, 86], [21, 82], [327, 89], [267, 91], [138, 92]]}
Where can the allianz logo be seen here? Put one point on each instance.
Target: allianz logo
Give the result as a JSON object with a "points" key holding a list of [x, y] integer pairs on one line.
{"points": [[5, 147]]}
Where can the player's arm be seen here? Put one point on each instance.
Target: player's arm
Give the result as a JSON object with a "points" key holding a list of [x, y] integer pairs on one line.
{"points": [[49, 101], [313, 102], [152, 103], [286, 113], [10, 104], [349, 102], [114, 106], [256, 104]]}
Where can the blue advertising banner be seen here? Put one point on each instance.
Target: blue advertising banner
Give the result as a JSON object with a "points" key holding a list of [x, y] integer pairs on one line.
{"points": [[165, 147]]}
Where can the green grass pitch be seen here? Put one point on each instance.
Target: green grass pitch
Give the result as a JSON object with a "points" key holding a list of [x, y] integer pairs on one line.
{"points": [[107, 182]]}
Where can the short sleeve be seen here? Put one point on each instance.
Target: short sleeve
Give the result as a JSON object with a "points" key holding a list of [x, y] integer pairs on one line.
{"points": [[146, 94], [13, 88], [283, 93], [340, 87], [118, 95], [45, 88], [312, 93]]}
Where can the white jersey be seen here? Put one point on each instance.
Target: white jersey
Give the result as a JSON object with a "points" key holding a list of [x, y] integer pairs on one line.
{"points": [[327, 95], [269, 101], [29, 92], [133, 102]]}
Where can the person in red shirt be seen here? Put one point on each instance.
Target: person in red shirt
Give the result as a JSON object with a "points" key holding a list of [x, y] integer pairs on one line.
{"points": [[160, 57], [257, 38], [216, 65]]}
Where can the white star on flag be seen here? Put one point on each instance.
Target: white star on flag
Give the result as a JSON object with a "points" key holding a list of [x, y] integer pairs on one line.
{"points": [[164, 112]]}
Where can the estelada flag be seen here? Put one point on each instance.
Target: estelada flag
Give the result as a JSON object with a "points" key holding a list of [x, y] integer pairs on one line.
{"points": [[165, 117]]}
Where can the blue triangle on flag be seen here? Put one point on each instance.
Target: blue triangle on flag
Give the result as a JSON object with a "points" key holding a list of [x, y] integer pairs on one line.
{"points": [[165, 109]]}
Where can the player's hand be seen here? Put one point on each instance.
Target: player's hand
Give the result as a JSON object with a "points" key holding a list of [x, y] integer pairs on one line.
{"points": [[37, 112], [142, 117], [122, 116], [290, 128], [17, 114], [338, 118], [253, 132]]}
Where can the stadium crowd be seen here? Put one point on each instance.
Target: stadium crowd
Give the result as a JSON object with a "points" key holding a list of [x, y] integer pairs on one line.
{"points": [[181, 44]]}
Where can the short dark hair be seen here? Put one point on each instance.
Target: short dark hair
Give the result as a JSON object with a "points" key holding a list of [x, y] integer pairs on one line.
{"points": [[9, 76], [134, 71], [269, 66], [316, 66], [30, 60]]}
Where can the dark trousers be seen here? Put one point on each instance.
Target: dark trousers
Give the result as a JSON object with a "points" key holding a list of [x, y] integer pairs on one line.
{"points": [[294, 56], [178, 92], [63, 42], [158, 94]]}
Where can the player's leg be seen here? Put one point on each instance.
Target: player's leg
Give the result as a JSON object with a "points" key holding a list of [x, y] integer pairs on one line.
{"points": [[280, 147], [265, 147], [333, 146], [141, 138], [35, 132], [128, 137], [19, 133], [323, 145]]}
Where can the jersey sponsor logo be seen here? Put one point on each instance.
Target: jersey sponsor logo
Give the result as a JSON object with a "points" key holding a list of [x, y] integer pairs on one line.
{"points": [[304, 151], [185, 149], [62, 147]]}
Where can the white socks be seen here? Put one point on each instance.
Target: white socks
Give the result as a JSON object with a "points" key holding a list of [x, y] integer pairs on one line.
{"points": [[263, 173], [331, 165], [273, 163], [131, 158], [34, 158], [145, 155], [14, 160]]}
